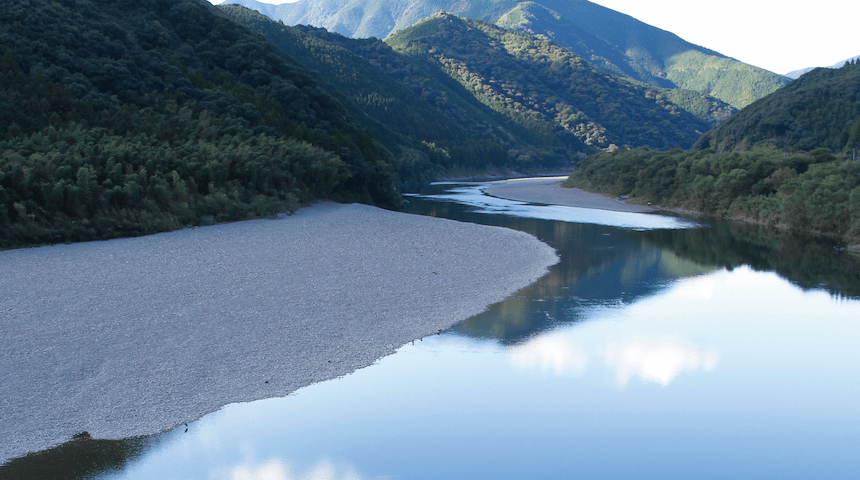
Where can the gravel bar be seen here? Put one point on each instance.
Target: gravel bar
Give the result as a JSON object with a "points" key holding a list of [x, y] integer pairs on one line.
{"points": [[136, 336], [548, 190]]}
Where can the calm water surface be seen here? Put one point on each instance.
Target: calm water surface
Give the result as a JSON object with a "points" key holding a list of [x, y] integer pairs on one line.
{"points": [[657, 348]]}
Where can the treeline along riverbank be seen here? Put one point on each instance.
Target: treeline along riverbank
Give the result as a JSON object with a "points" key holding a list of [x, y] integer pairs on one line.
{"points": [[789, 160], [810, 191]]}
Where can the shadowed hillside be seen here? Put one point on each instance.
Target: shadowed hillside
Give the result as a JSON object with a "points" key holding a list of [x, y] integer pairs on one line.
{"points": [[545, 87], [611, 40], [131, 117], [820, 109], [434, 126]]}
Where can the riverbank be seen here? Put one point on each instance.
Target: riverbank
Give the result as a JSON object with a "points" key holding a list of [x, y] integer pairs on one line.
{"points": [[135, 336], [549, 190]]}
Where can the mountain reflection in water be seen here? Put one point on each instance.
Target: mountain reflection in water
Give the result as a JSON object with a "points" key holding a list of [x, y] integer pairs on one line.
{"points": [[656, 348]]}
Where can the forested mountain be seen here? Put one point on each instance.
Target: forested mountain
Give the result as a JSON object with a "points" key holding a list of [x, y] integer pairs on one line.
{"points": [[497, 97], [124, 117], [535, 19], [788, 159], [609, 39], [432, 124], [620, 43], [129, 117], [545, 88], [820, 109]]}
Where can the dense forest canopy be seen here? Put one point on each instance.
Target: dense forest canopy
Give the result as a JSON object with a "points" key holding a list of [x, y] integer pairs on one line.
{"points": [[554, 94], [788, 159], [432, 128], [820, 109], [131, 117]]}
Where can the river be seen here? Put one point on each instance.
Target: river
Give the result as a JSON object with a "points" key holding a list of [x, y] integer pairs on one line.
{"points": [[659, 347]]}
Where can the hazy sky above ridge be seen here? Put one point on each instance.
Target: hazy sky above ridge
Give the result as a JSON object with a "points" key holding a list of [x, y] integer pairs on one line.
{"points": [[776, 36]]}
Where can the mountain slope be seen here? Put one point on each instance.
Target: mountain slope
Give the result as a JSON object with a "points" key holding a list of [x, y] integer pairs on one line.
{"points": [[787, 160], [821, 109], [620, 43], [538, 20], [434, 128], [536, 82], [610, 39], [124, 118]]}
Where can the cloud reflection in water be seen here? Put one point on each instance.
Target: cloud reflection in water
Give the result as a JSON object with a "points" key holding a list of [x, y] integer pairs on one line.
{"points": [[549, 352], [277, 470], [613, 333], [657, 360]]}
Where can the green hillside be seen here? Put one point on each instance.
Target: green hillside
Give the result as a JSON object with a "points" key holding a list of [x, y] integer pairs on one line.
{"points": [[545, 88], [535, 19], [608, 39], [465, 119], [729, 80], [787, 160], [433, 125], [527, 145], [130, 117], [820, 109], [619, 43]]}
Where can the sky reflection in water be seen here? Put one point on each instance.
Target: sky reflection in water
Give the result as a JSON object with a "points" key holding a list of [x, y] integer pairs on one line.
{"points": [[678, 385], [652, 367]]}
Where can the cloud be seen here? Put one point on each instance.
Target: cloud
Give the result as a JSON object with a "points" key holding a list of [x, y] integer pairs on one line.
{"points": [[657, 360]]}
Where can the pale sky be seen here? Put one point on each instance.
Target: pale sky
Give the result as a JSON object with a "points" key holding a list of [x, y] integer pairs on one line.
{"points": [[777, 36]]}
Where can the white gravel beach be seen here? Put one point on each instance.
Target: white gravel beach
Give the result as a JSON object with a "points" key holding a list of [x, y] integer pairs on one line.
{"points": [[549, 190], [135, 336]]}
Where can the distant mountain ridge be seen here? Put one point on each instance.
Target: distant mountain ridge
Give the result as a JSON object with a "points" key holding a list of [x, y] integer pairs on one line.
{"points": [[535, 80], [498, 90], [641, 51], [610, 40], [373, 18], [795, 74]]}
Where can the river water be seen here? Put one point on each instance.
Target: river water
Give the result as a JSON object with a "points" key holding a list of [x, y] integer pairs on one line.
{"points": [[658, 347]]}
